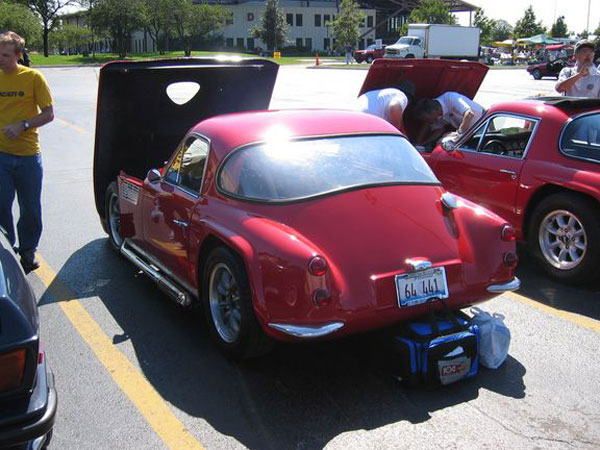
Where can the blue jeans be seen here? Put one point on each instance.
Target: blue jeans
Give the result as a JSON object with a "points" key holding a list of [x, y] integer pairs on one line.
{"points": [[21, 175]]}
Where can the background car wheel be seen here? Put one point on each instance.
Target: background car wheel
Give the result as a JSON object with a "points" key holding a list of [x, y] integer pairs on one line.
{"points": [[113, 217], [229, 309], [369, 59], [410, 56], [565, 237], [537, 74]]}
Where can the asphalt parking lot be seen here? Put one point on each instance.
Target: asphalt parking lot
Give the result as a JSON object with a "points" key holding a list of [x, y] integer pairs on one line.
{"points": [[133, 371]]}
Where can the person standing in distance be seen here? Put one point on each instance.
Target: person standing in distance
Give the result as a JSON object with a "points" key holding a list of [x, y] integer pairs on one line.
{"points": [[25, 105], [583, 80]]}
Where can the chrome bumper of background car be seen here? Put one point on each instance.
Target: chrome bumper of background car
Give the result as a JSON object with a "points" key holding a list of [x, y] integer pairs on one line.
{"points": [[306, 331], [512, 285]]}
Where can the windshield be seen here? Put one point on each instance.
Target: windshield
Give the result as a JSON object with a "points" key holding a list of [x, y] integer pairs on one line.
{"points": [[405, 40], [310, 167]]}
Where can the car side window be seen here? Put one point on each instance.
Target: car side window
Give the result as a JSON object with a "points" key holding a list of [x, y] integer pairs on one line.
{"points": [[416, 42], [472, 143], [581, 138], [187, 168], [507, 136]]}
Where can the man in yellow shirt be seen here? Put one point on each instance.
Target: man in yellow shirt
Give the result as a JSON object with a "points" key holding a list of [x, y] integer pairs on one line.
{"points": [[25, 105]]}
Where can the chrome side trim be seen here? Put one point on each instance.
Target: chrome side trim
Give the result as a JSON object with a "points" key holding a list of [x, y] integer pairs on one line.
{"points": [[169, 287], [512, 285], [307, 331]]}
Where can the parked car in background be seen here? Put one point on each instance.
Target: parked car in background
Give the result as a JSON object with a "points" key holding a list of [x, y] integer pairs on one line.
{"points": [[369, 54], [27, 394], [548, 69], [534, 162], [287, 225]]}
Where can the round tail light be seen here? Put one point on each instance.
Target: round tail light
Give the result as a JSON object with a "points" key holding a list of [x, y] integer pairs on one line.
{"points": [[317, 266], [321, 297], [511, 259], [509, 233]]}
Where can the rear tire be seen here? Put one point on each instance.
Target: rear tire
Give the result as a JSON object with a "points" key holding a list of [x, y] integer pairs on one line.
{"points": [[409, 56], [565, 238], [369, 59], [537, 74], [113, 217], [228, 307]]}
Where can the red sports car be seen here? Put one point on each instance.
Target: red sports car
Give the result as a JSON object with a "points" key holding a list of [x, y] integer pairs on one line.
{"points": [[548, 69], [534, 162], [290, 225]]}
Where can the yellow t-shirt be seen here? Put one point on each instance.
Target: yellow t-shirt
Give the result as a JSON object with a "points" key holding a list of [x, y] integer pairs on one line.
{"points": [[22, 94]]}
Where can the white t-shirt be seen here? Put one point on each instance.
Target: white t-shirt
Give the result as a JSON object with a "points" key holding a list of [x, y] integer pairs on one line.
{"points": [[454, 107], [377, 102], [588, 86]]}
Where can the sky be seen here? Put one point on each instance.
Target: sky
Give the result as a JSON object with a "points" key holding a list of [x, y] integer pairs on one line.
{"points": [[575, 11]]}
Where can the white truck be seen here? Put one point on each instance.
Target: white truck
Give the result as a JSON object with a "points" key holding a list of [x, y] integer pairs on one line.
{"points": [[426, 40]]}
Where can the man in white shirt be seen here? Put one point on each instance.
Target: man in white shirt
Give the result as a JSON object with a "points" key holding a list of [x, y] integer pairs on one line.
{"points": [[583, 80], [449, 110], [388, 103]]}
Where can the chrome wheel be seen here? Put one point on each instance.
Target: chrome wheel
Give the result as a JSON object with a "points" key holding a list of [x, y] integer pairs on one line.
{"points": [[562, 239], [114, 219], [224, 301]]}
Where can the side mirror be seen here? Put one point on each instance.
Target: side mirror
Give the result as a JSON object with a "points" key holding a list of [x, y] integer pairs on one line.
{"points": [[153, 176]]}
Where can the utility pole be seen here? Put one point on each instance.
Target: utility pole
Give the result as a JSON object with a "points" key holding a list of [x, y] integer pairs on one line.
{"points": [[587, 28]]}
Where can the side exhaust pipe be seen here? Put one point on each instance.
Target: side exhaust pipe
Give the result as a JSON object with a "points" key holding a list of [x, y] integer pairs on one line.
{"points": [[164, 283]]}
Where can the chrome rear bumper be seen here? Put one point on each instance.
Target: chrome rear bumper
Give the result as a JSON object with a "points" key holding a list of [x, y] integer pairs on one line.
{"points": [[307, 331], [512, 285]]}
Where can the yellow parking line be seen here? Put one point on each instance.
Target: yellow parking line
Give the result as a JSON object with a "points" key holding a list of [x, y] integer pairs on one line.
{"points": [[126, 375], [70, 125], [585, 322]]}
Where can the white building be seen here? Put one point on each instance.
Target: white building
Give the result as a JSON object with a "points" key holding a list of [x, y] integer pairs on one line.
{"points": [[306, 22]]}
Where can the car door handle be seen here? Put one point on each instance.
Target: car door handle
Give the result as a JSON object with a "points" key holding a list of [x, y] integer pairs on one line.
{"points": [[512, 173], [181, 223]]}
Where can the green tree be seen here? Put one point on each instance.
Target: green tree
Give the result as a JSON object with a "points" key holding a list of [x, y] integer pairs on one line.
{"points": [[559, 28], [345, 27], [160, 23], [527, 26], [502, 30], [201, 20], [430, 11], [273, 28], [48, 12], [486, 25], [21, 20], [119, 19], [70, 36]]}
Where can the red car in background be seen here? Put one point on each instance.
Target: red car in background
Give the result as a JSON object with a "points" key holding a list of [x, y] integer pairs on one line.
{"points": [[548, 69], [369, 54], [290, 225], [534, 162]]}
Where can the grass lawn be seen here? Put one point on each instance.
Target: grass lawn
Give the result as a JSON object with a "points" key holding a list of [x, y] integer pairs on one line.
{"points": [[38, 59]]}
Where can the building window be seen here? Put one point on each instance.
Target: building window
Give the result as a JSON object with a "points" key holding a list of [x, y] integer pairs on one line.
{"points": [[362, 23], [289, 18], [317, 20], [298, 42], [229, 42], [250, 43], [326, 18], [229, 20], [239, 42], [308, 43], [370, 41], [250, 17], [370, 21], [298, 20], [326, 43]]}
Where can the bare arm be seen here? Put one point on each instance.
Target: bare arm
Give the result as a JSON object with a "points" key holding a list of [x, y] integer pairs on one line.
{"points": [[468, 117], [46, 116], [395, 113], [564, 85]]}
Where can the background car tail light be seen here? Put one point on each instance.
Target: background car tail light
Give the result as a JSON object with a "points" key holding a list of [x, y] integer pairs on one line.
{"points": [[509, 233], [12, 368], [511, 259], [321, 297], [317, 266]]}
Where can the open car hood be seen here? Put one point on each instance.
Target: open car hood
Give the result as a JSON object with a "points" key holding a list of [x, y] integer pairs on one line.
{"points": [[432, 77], [138, 125]]}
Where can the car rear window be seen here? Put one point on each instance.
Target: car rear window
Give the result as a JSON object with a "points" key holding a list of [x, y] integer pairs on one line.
{"points": [[581, 138], [305, 168]]}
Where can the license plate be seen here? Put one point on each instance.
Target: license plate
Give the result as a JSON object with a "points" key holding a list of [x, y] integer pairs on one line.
{"points": [[418, 287]]}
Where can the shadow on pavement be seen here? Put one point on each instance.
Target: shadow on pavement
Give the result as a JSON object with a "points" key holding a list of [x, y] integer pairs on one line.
{"points": [[298, 396], [538, 286]]}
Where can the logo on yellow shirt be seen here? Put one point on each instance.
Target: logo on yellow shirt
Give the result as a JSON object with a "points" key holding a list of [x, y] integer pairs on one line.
{"points": [[12, 94]]}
